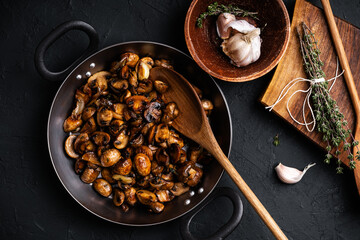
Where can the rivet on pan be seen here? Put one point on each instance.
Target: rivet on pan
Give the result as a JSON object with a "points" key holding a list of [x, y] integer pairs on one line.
{"points": [[78, 77], [200, 190], [192, 193], [88, 74], [92, 65], [187, 201]]}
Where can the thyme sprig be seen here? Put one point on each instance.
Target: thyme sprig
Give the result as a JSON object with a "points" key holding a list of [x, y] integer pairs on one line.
{"points": [[215, 9], [329, 120]]}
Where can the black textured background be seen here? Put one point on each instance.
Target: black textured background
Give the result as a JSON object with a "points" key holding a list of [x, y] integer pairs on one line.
{"points": [[34, 204]]}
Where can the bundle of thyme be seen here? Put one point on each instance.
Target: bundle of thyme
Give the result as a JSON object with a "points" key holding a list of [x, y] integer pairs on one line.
{"points": [[329, 120], [215, 9]]}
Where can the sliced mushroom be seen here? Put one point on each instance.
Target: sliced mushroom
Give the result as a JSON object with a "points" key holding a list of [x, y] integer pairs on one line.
{"points": [[161, 86], [118, 85], [69, 147], [145, 86], [161, 184], [124, 179], [194, 153], [119, 197], [100, 138], [116, 126], [104, 116], [72, 123], [89, 175], [118, 110], [162, 133], [99, 81], [156, 207], [144, 182], [190, 174], [110, 157], [207, 106], [162, 157], [179, 189], [142, 164], [80, 165], [125, 96], [106, 174], [121, 140], [89, 127], [102, 187], [133, 79], [129, 59], [81, 100], [125, 72], [130, 196], [123, 167], [146, 128], [91, 157], [137, 103], [88, 113], [145, 197], [79, 144], [171, 111], [143, 68], [156, 169], [164, 195], [153, 112], [174, 138], [163, 63]]}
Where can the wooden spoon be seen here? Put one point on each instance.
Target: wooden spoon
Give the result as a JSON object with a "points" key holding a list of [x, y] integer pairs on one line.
{"points": [[192, 122], [348, 79]]}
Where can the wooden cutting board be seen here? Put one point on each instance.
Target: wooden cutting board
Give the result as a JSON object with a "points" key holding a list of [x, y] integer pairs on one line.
{"points": [[291, 66]]}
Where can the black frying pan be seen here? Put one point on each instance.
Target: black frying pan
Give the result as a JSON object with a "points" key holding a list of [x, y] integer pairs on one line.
{"points": [[75, 75]]}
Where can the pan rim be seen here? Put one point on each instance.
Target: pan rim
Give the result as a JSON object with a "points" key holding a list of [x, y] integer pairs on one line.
{"points": [[52, 159]]}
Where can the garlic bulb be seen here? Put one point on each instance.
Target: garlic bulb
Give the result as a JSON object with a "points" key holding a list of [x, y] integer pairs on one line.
{"points": [[243, 48], [221, 25], [291, 175]]}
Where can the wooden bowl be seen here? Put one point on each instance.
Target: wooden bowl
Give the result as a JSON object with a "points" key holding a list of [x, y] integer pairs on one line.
{"points": [[204, 43]]}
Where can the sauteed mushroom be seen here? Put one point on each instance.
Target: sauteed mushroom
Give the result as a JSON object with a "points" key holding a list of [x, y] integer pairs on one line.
{"points": [[125, 132], [207, 106]]}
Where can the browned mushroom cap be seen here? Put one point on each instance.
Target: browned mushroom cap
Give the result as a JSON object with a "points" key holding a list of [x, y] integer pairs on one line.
{"points": [[137, 103], [91, 157], [118, 110], [102, 187], [79, 166], [89, 175], [130, 196], [145, 150], [125, 180], [100, 138], [72, 123], [104, 116], [99, 80], [171, 111], [190, 174], [195, 153], [145, 197], [161, 86], [142, 164], [106, 174], [145, 86], [133, 81], [110, 157], [129, 59], [179, 189], [123, 167], [119, 197], [156, 207], [118, 85], [89, 127], [175, 138], [152, 112], [80, 140], [162, 133], [88, 113], [162, 157], [116, 126], [164, 195], [121, 140], [125, 96], [163, 63], [207, 106], [156, 169], [69, 147]]}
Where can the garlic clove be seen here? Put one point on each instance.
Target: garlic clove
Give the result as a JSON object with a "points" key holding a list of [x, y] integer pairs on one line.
{"points": [[222, 21], [241, 26], [291, 175]]}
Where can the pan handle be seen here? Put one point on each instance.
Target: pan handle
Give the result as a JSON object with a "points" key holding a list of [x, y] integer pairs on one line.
{"points": [[55, 35], [225, 230]]}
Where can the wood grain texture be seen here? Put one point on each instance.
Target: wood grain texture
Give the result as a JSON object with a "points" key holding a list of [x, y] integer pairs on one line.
{"points": [[291, 66]]}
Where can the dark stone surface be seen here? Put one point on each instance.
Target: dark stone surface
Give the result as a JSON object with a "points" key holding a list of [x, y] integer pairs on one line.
{"points": [[34, 204]]}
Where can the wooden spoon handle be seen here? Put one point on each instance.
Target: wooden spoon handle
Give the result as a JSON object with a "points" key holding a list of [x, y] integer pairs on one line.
{"points": [[248, 193], [348, 76]]}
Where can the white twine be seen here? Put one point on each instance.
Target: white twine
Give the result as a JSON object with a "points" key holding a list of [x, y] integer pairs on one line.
{"points": [[291, 84]]}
